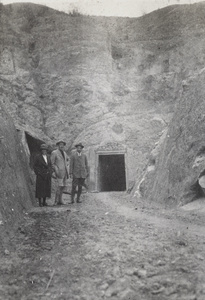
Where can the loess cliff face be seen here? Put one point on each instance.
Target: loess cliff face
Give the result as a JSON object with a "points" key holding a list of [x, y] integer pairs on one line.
{"points": [[16, 188], [98, 80], [181, 157]]}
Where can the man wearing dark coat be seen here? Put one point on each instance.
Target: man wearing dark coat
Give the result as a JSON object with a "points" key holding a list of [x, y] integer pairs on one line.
{"points": [[78, 171], [43, 170]]}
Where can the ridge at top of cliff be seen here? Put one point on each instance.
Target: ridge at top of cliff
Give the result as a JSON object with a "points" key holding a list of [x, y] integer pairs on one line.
{"points": [[166, 22]]}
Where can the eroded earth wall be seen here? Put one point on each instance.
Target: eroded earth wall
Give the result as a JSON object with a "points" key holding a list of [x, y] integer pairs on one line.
{"points": [[181, 159], [17, 187]]}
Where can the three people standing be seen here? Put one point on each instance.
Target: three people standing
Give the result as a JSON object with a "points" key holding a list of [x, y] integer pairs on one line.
{"points": [[58, 162]]}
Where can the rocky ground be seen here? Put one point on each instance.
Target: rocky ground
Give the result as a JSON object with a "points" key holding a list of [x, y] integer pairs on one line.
{"points": [[107, 247]]}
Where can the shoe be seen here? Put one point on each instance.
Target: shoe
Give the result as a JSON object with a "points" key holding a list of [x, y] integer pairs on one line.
{"points": [[65, 192], [79, 201], [61, 203], [45, 204]]}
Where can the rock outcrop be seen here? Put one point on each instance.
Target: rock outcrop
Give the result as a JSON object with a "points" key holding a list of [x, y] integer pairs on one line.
{"points": [[181, 157], [17, 187]]}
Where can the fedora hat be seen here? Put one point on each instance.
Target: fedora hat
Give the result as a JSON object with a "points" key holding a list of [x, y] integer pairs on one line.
{"points": [[79, 144], [61, 142], [43, 147]]}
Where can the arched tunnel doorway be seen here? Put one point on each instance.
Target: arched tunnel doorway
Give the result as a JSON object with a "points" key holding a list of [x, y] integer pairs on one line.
{"points": [[34, 147]]}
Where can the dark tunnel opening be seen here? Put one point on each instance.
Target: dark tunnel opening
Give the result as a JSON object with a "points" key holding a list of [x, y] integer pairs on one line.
{"points": [[34, 147], [112, 175]]}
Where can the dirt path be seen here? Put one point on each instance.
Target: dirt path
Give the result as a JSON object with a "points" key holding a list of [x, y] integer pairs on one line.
{"points": [[106, 248]]}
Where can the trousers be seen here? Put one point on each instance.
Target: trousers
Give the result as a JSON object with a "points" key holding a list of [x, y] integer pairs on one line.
{"points": [[77, 182]]}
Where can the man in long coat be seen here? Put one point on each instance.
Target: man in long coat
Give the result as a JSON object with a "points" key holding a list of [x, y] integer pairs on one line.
{"points": [[79, 171], [59, 161], [43, 170]]}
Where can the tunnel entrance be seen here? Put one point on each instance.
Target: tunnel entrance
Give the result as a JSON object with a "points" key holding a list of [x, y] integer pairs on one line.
{"points": [[34, 147], [111, 172]]}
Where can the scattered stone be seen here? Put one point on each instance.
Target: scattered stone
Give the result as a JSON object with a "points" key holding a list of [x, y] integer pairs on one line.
{"points": [[129, 272], [21, 230], [88, 257], [181, 243], [160, 263], [104, 286], [6, 252], [198, 256], [116, 272], [178, 233], [141, 273], [117, 287], [127, 294], [175, 260], [184, 269], [48, 248], [158, 291], [110, 281], [12, 281]]}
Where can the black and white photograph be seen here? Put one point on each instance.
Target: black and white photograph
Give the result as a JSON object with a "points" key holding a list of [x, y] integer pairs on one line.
{"points": [[102, 150]]}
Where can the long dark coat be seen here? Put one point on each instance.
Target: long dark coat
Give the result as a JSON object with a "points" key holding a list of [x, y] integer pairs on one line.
{"points": [[43, 173]]}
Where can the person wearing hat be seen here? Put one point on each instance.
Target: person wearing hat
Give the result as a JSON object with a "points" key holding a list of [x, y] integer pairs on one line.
{"points": [[79, 171], [59, 161], [43, 170]]}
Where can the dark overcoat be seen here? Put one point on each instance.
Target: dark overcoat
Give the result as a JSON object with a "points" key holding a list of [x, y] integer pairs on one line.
{"points": [[43, 173], [79, 166]]}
